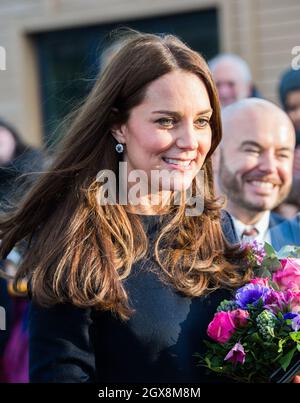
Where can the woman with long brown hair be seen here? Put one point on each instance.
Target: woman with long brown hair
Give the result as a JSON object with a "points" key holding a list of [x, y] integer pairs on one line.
{"points": [[125, 282]]}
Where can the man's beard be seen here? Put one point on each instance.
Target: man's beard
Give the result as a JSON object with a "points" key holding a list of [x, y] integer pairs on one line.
{"points": [[233, 189]]}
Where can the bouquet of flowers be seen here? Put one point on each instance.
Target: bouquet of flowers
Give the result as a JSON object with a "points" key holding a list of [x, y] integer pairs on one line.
{"points": [[258, 332]]}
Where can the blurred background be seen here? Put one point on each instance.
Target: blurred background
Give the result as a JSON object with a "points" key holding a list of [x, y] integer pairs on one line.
{"points": [[53, 47]]}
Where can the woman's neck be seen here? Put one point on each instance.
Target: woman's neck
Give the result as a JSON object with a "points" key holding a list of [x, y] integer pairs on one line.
{"points": [[152, 204]]}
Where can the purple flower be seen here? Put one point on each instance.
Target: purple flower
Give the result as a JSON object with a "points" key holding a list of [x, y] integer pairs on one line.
{"points": [[251, 294], [256, 252], [259, 250], [296, 323], [283, 300], [236, 354], [276, 300]]}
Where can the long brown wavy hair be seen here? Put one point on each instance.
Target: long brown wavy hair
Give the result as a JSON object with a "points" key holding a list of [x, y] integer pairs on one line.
{"points": [[80, 251]]}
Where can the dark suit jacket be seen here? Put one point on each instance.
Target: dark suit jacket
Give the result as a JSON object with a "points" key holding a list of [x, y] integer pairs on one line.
{"points": [[157, 344]]}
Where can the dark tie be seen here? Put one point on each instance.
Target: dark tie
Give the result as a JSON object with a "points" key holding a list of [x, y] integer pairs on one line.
{"points": [[249, 234]]}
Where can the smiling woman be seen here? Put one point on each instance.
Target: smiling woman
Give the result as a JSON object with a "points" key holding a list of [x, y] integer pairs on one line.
{"points": [[170, 129], [124, 293]]}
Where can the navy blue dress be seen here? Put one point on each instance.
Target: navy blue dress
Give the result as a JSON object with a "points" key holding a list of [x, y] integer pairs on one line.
{"points": [[157, 344]]}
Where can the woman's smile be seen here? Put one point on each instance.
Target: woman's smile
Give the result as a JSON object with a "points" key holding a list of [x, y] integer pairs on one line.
{"points": [[179, 164]]}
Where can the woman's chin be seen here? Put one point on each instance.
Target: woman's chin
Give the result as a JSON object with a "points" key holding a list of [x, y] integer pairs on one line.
{"points": [[181, 185]]}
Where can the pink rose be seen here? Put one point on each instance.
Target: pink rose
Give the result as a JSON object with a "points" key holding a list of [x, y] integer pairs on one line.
{"points": [[288, 278], [294, 301], [224, 324], [221, 327], [260, 281], [240, 317]]}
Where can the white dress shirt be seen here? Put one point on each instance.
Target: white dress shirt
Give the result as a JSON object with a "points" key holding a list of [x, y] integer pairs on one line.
{"points": [[262, 227]]}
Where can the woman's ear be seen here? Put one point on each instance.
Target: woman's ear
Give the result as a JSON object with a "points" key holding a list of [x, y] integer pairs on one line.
{"points": [[119, 133], [118, 130]]}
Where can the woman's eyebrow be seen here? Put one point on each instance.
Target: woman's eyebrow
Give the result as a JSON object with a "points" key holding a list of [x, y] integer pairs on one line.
{"points": [[174, 113]]}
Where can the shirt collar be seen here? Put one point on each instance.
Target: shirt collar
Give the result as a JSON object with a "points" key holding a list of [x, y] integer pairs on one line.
{"points": [[262, 226]]}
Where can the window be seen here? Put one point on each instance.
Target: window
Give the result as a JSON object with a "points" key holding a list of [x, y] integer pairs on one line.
{"points": [[69, 59]]}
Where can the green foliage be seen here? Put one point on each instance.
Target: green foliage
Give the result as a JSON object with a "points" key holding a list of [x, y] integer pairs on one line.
{"points": [[270, 262], [269, 250], [227, 305], [288, 251], [287, 358], [295, 336]]}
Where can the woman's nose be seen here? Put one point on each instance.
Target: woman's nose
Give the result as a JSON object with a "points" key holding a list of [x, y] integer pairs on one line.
{"points": [[187, 138]]}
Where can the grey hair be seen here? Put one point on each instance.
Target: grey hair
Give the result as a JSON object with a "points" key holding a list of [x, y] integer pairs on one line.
{"points": [[235, 59], [109, 52]]}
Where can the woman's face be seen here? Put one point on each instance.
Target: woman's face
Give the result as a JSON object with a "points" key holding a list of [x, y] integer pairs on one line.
{"points": [[169, 132], [7, 145]]}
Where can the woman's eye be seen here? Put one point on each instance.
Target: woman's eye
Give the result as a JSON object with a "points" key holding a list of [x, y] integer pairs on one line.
{"points": [[202, 122], [166, 122]]}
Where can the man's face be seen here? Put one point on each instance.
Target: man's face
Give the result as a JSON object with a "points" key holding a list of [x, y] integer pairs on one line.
{"points": [[256, 160], [230, 83]]}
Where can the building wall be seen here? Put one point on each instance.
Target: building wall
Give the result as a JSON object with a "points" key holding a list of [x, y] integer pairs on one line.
{"points": [[278, 33], [262, 31]]}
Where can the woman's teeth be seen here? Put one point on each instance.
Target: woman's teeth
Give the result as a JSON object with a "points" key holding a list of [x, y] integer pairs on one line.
{"points": [[177, 162]]}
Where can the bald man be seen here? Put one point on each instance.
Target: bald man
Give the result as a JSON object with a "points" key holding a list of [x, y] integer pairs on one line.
{"points": [[255, 166], [232, 77]]}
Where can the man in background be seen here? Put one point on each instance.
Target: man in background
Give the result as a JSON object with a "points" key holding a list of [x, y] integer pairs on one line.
{"points": [[254, 169], [289, 92], [232, 76]]}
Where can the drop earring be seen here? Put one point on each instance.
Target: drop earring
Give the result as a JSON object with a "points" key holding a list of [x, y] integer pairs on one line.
{"points": [[119, 148]]}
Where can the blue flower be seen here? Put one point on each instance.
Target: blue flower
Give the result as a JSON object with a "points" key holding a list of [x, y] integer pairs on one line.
{"points": [[251, 294], [289, 315]]}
